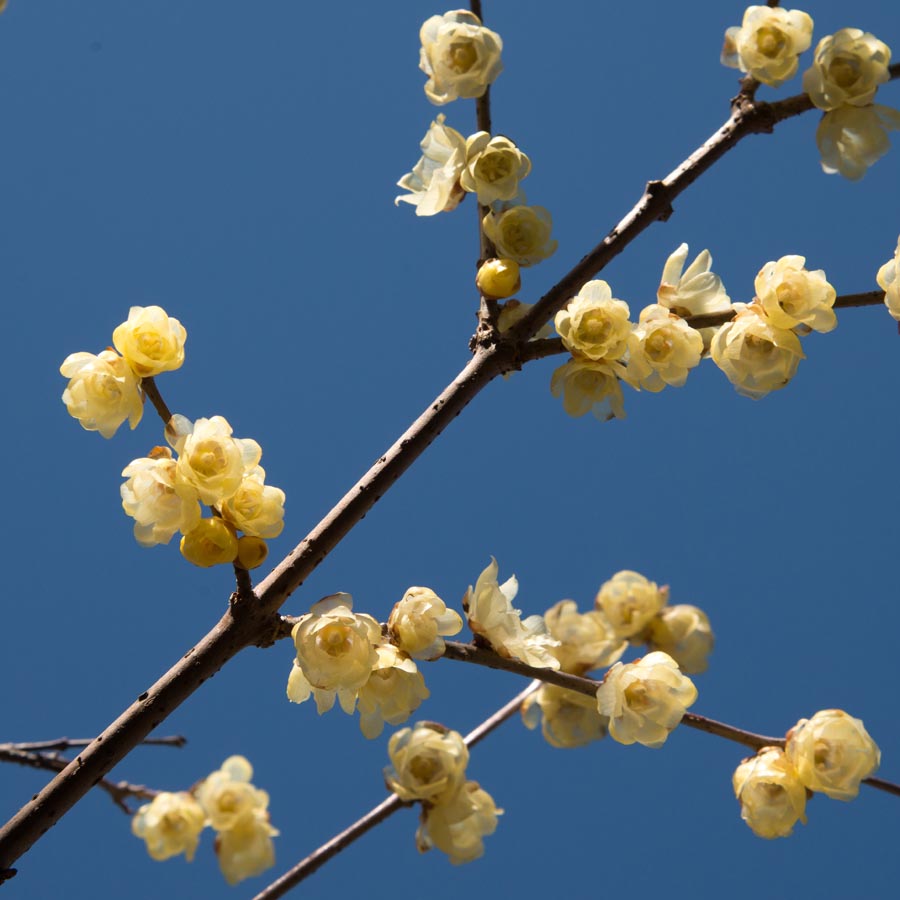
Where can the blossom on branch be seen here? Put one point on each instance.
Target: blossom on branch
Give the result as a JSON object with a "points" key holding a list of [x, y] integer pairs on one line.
{"points": [[695, 292], [888, 279], [170, 825], [521, 233], [393, 692], [211, 542], [498, 279], [433, 184], [683, 631], [255, 508], [586, 640], [419, 622], [791, 296], [662, 349], [151, 341], [428, 762], [457, 825], [771, 796], [852, 138], [567, 718], [103, 391], [494, 167], [594, 325], [246, 849], [587, 386], [848, 66], [629, 601]]}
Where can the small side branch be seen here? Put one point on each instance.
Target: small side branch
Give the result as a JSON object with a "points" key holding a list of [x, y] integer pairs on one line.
{"points": [[151, 392]]}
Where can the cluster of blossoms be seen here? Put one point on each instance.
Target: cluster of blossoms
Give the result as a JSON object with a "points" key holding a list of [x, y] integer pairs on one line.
{"points": [[831, 753], [228, 803], [428, 766], [848, 66], [349, 657]]}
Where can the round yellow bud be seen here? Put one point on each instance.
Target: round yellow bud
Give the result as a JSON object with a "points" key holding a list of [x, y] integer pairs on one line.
{"points": [[498, 278], [251, 551], [211, 543]]}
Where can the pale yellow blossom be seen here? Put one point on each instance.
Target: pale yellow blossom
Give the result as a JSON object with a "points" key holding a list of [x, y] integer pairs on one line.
{"points": [[433, 184], [629, 601], [419, 622], [645, 699], [252, 552], [428, 762], [567, 718], [211, 542], [150, 498], [791, 296], [683, 631], [852, 138], [832, 753], [772, 798], [102, 392], [587, 386], [768, 43], [594, 325], [498, 279], [662, 349], [246, 849], [521, 233], [755, 356], [457, 826], [586, 640], [227, 795], [491, 615], [151, 341], [169, 825], [394, 691], [848, 66], [494, 167], [888, 279], [694, 292], [459, 55], [255, 508]]}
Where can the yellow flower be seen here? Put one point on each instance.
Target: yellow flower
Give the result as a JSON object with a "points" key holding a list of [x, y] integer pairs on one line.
{"points": [[755, 356], [211, 542], [645, 699], [102, 391], [772, 798], [683, 631], [498, 278], [695, 292], [170, 824], [567, 718], [419, 621], [587, 386], [246, 849], [521, 233], [494, 167], [428, 762], [491, 615], [888, 279], [211, 463], [150, 498], [256, 508], [433, 184], [394, 691], [227, 795], [792, 296], [252, 552], [768, 43], [852, 138], [151, 341], [459, 55], [594, 325], [847, 68], [662, 349], [832, 753], [586, 640], [457, 825], [629, 601]]}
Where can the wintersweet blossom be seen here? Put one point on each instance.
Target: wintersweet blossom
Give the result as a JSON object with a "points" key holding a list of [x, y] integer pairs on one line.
{"points": [[246, 849], [255, 508], [211, 542], [169, 825], [683, 631], [888, 279], [832, 753], [494, 167], [567, 718], [768, 43], [771, 796], [645, 699], [848, 66], [694, 292], [211, 463], [852, 138], [662, 349], [335, 652], [521, 233], [587, 386], [498, 279], [459, 55], [629, 601], [791, 296], [428, 762], [102, 392], [394, 691], [457, 826], [150, 498], [419, 622], [594, 325], [151, 341], [755, 356], [586, 640], [433, 184], [491, 615], [252, 552], [227, 795]]}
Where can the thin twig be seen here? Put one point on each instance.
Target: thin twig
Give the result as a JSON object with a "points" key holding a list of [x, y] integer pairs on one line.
{"points": [[64, 743], [151, 392], [378, 814]]}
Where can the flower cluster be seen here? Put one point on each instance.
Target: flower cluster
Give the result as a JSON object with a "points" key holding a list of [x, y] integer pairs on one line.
{"points": [[831, 753], [428, 765], [228, 803]]}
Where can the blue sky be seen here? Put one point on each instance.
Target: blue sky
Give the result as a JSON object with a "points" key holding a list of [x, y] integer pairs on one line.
{"points": [[236, 165]]}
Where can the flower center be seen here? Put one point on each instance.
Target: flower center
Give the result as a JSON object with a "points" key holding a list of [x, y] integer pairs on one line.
{"points": [[770, 42], [844, 72], [460, 57], [334, 639]]}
